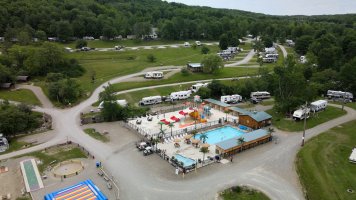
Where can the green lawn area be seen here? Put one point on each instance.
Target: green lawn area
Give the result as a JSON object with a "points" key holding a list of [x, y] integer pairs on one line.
{"points": [[323, 166], [59, 156], [179, 77], [243, 193], [20, 95], [127, 43], [282, 123], [96, 135], [16, 145], [351, 105]]}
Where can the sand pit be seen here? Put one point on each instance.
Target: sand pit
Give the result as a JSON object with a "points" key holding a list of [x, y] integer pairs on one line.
{"points": [[68, 168]]}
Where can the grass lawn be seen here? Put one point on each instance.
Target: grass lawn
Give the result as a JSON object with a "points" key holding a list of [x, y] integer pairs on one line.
{"points": [[16, 145], [96, 135], [323, 166], [59, 156], [282, 123], [243, 193], [351, 105], [20, 95], [179, 77]]}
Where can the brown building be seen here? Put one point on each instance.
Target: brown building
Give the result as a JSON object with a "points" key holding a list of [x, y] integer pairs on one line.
{"points": [[195, 67], [254, 119], [217, 105]]}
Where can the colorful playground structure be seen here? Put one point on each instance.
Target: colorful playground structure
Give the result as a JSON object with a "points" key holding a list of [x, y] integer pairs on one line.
{"points": [[85, 190]]}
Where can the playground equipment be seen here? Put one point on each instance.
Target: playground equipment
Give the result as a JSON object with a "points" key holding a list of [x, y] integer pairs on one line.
{"points": [[68, 168]]}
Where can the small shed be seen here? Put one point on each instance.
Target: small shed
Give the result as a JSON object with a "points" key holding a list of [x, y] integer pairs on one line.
{"points": [[255, 120], [6, 85], [217, 105], [22, 78], [251, 139], [195, 67]]}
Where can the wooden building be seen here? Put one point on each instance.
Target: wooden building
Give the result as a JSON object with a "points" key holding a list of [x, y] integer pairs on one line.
{"points": [[195, 67], [217, 105], [22, 78], [229, 147], [251, 119]]}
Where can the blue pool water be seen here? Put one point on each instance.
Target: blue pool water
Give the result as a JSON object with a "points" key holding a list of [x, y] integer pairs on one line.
{"points": [[186, 161], [221, 134]]}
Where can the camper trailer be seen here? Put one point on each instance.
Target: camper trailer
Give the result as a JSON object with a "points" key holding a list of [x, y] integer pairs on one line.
{"points": [[180, 95], [154, 75], [197, 86], [260, 95], [318, 105], [121, 102], [231, 98], [150, 100], [300, 114], [269, 60], [332, 94]]}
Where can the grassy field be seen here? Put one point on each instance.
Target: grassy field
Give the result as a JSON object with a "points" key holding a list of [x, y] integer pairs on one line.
{"points": [[351, 105], [179, 77], [20, 95], [243, 193], [127, 43], [59, 156], [96, 135], [282, 123], [16, 145], [323, 166]]}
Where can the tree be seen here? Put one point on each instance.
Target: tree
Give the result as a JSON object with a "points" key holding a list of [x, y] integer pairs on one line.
{"points": [[65, 91], [240, 142], [171, 125], [194, 133], [224, 42], [141, 29], [205, 50], [80, 43], [302, 44], [151, 58], [204, 150], [204, 92], [64, 30], [212, 64], [203, 137], [348, 76], [108, 94], [41, 35], [5, 75], [267, 42], [109, 32]]}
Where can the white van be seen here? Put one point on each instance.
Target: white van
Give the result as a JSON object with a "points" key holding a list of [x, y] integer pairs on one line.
{"points": [[197, 86], [301, 114], [150, 100], [186, 44], [180, 95], [121, 102], [318, 105], [154, 75], [260, 95]]}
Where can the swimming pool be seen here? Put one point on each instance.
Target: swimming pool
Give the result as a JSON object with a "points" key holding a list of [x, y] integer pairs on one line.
{"points": [[221, 134], [186, 161]]}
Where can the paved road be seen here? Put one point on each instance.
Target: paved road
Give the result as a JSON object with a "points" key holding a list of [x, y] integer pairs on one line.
{"points": [[243, 61], [284, 51], [46, 103], [269, 168]]}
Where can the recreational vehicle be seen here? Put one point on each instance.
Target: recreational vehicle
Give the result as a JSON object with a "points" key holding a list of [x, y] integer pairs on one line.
{"points": [[318, 105], [260, 95], [154, 75], [332, 94], [121, 102], [301, 114], [271, 55], [198, 43], [269, 60], [231, 98], [186, 44], [271, 50], [197, 86], [180, 95], [150, 100]]}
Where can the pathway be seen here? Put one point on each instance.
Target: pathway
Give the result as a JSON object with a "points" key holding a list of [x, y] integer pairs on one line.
{"points": [[46, 103]]}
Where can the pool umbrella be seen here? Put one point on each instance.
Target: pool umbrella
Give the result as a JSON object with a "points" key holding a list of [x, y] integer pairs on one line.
{"points": [[206, 145], [177, 140], [188, 136], [195, 141]]}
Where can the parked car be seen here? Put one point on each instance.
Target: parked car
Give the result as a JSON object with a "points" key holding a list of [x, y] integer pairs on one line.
{"points": [[141, 146], [85, 49], [148, 150], [254, 100], [186, 44]]}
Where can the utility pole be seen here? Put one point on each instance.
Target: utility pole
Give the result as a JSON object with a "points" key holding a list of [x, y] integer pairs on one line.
{"points": [[305, 121]]}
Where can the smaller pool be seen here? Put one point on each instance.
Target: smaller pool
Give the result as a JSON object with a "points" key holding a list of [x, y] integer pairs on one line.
{"points": [[186, 161]]}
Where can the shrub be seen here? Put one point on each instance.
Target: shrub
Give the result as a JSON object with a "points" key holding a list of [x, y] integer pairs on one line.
{"points": [[185, 71], [151, 58], [205, 50], [81, 43]]}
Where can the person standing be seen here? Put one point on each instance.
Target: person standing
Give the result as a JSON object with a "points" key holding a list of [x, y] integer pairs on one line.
{"points": [[231, 159]]}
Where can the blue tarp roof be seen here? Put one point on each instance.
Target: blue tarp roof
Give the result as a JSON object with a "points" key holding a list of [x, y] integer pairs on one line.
{"points": [[86, 189], [217, 102], [228, 144]]}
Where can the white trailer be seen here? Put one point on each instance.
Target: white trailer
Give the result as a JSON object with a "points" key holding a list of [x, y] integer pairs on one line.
{"points": [[231, 98], [154, 75], [150, 100], [301, 114], [340, 95], [197, 86], [269, 60], [180, 95], [318, 105], [121, 102], [260, 95]]}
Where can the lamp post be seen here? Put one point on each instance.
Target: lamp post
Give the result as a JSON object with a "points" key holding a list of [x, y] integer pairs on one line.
{"points": [[305, 122]]}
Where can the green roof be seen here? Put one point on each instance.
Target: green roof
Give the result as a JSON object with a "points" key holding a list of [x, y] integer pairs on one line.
{"points": [[216, 102], [258, 116], [254, 135], [239, 110]]}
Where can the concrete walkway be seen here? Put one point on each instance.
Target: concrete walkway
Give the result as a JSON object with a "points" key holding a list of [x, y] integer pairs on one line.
{"points": [[46, 103]]}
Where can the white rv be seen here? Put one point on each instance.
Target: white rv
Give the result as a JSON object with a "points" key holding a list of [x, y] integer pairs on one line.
{"points": [[269, 60], [198, 43], [231, 98], [154, 75], [340, 94], [271, 50], [121, 102], [303, 59], [318, 105], [150, 100], [180, 95], [197, 86], [301, 114], [271, 55], [260, 95]]}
